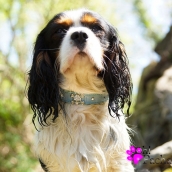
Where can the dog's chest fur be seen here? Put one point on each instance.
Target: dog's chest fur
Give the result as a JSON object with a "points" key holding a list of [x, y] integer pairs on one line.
{"points": [[86, 139]]}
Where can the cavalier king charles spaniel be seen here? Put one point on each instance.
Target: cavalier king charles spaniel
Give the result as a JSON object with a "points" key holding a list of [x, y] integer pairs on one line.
{"points": [[79, 83]]}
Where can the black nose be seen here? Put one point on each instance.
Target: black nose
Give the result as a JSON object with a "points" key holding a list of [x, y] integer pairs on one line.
{"points": [[79, 38]]}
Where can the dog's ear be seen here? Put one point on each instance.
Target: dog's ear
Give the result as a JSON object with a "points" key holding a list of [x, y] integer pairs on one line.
{"points": [[43, 90], [117, 77]]}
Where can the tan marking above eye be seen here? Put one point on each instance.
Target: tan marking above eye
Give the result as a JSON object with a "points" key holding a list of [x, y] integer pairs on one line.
{"points": [[64, 21], [87, 18]]}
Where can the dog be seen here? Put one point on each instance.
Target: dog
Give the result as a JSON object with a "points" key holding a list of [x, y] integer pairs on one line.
{"points": [[79, 83]]}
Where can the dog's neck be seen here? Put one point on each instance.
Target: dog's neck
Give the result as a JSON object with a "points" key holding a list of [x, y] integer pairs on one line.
{"points": [[82, 78]]}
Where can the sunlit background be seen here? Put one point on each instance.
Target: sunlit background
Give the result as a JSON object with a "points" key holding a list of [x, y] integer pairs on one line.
{"points": [[140, 25]]}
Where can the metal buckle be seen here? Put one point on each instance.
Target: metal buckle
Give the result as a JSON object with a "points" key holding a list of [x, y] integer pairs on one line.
{"points": [[77, 99]]}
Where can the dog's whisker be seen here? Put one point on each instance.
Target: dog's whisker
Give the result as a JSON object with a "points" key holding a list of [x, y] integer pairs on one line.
{"points": [[105, 65], [110, 60]]}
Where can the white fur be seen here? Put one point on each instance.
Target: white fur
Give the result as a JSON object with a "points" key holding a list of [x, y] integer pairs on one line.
{"points": [[88, 139]]}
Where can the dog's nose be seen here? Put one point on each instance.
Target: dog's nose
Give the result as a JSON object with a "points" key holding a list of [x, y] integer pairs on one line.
{"points": [[79, 38]]}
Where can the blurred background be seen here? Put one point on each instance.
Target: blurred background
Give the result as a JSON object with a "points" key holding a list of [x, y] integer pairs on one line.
{"points": [[145, 29]]}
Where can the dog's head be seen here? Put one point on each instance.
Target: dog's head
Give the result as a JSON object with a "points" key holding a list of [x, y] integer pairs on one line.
{"points": [[79, 51]]}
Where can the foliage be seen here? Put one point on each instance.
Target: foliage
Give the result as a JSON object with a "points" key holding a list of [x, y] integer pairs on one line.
{"points": [[23, 20], [145, 20]]}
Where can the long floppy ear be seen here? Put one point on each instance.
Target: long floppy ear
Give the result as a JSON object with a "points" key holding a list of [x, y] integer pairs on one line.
{"points": [[43, 90], [117, 77]]}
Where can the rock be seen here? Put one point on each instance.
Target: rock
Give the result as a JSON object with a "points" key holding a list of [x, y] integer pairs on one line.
{"points": [[152, 118], [159, 159]]}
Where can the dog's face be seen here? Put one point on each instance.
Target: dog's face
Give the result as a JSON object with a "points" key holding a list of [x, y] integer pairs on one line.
{"points": [[85, 36], [76, 50]]}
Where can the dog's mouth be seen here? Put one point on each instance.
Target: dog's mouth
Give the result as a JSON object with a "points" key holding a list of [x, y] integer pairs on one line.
{"points": [[79, 58], [82, 54], [83, 59]]}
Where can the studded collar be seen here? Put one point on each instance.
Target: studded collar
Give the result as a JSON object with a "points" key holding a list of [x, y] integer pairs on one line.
{"points": [[72, 97]]}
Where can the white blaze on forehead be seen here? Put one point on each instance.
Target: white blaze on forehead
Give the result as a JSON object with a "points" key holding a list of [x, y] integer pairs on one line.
{"points": [[75, 16], [80, 15]]}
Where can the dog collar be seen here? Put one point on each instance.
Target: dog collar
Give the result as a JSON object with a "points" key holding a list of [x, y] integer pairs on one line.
{"points": [[82, 99]]}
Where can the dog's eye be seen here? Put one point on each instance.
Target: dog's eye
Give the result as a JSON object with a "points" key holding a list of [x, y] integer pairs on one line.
{"points": [[61, 31], [96, 28]]}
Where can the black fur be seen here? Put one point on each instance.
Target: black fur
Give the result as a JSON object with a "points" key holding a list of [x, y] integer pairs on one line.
{"points": [[43, 90], [117, 77], [43, 166]]}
